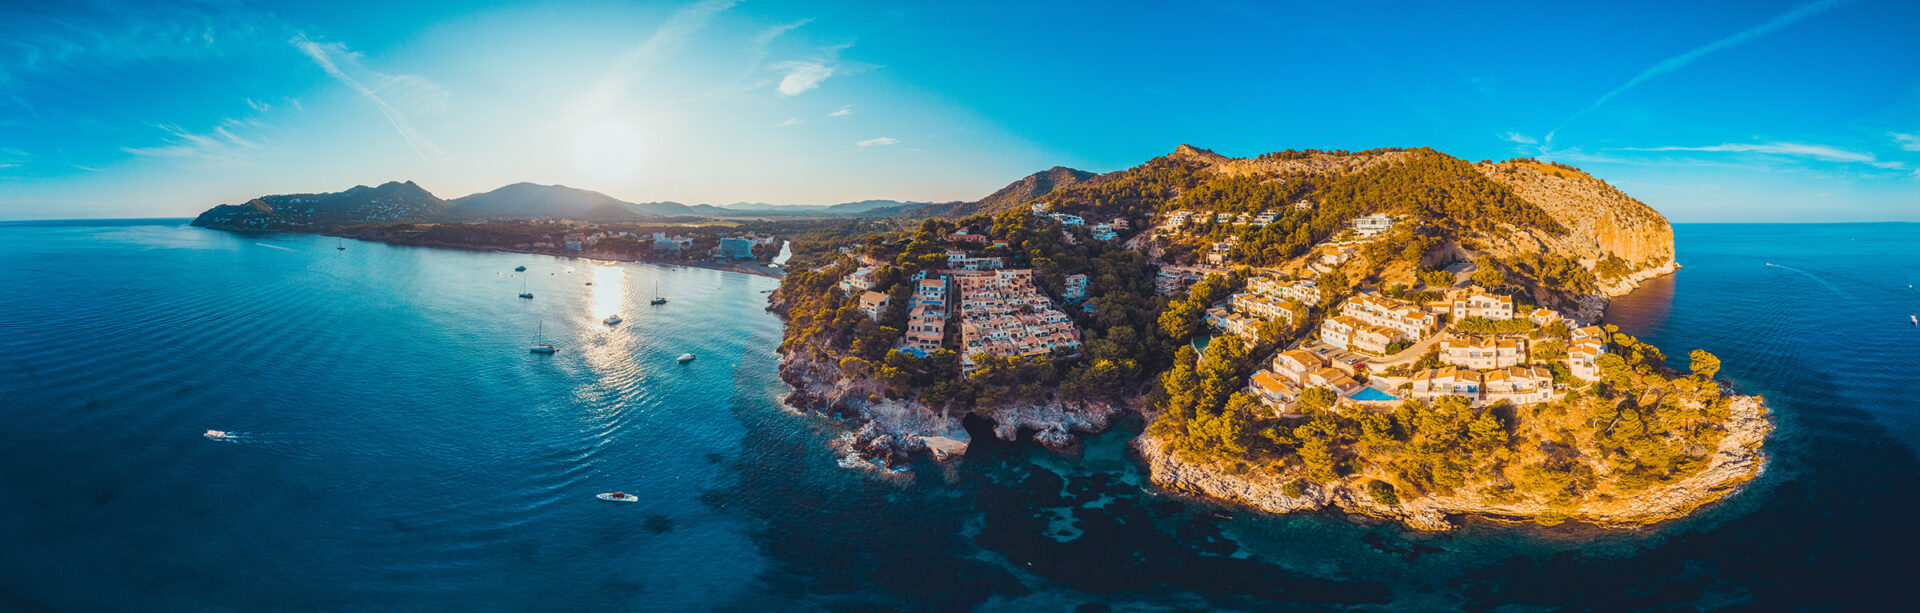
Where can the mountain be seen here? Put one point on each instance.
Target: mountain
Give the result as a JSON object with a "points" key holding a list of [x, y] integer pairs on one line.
{"points": [[845, 208], [1014, 194], [392, 201], [530, 200]]}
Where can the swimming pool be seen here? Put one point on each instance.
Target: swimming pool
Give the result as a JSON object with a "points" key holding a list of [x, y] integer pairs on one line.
{"points": [[1370, 394]]}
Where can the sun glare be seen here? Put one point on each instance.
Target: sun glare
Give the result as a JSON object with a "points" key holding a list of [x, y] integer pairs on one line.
{"points": [[608, 149]]}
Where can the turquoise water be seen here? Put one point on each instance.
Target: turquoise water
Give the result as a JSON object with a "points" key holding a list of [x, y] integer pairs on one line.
{"points": [[1368, 393], [401, 450]]}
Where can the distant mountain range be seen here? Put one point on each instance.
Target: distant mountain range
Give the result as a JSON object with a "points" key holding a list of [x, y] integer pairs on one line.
{"points": [[406, 202]]}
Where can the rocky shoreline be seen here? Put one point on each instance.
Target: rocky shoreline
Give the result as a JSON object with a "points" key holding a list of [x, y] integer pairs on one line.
{"points": [[1738, 460], [892, 431]]}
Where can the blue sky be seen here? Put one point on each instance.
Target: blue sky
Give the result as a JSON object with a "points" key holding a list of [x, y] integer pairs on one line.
{"points": [[1710, 111]]}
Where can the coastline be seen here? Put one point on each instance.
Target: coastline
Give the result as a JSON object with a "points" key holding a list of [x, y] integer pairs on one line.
{"points": [[762, 269]]}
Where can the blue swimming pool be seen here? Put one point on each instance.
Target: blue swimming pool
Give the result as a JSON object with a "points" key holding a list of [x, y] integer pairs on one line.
{"points": [[1371, 394]]}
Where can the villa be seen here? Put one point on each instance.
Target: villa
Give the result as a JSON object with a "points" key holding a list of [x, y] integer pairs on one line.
{"points": [[1518, 384], [857, 281], [1274, 390], [1583, 358], [1476, 302], [926, 328], [1075, 288], [961, 260], [1347, 332], [1294, 365], [1449, 381], [1405, 319], [874, 303], [1372, 224], [1483, 354]]}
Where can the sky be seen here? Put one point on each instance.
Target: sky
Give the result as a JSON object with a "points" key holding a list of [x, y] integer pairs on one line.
{"points": [[1711, 111]]}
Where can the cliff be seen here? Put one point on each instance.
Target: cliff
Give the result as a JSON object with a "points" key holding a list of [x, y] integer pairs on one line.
{"points": [[1602, 221], [1737, 460]]}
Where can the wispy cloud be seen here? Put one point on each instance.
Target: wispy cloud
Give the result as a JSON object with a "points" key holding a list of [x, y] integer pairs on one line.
{"points": [[337, 61], [219, 146], [1907, 142], [1796, 15], [634, 62], [1826, 153], [791, 121], [803, 75], [876, 141], [843, 112], [259, 106], [1516, 137]]}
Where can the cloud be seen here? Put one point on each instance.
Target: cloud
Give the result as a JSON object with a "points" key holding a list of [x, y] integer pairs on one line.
{"points": [[630, 65], [1516, 137], [843, 112], [337, 61], [791, 121], [1799, 13], [259, 106], [219, 146], [802, 76], [1824, 153], [876, 141], [1907, 142]]}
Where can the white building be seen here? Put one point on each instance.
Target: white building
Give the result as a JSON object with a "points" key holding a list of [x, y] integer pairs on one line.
{"points": [[1372, 224]]}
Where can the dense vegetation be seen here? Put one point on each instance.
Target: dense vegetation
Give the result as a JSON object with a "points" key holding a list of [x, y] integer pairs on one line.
{"points": [[1642, 425]]}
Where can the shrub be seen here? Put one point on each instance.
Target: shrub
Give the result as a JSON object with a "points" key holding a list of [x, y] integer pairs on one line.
{"points": [[1383, 492], [1294, 488]]}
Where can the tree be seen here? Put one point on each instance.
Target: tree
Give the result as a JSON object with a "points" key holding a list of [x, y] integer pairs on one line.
{"points": [[1489, 274], [1704, 365], [1317, 399]]}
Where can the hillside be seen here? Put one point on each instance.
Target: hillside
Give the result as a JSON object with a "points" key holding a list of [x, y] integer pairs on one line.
{"points": [[390, 202], [529, 200]]}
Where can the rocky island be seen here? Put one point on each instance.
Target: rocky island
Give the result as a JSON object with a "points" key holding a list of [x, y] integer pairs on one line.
{"points": [[1395, 333]]}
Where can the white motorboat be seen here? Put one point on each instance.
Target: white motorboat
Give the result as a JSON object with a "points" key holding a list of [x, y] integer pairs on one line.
{"points": [[612, 320], [618, 497], [219, 435], [686, 357]]}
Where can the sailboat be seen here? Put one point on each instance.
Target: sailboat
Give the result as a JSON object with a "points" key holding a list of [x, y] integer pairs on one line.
{"points": [[538, 347], [657, 298], [523, 289], [339, 245]]}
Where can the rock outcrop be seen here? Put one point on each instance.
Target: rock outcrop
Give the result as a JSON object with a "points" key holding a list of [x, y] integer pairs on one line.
{"points": [[1600, 219], [1738, 460]]}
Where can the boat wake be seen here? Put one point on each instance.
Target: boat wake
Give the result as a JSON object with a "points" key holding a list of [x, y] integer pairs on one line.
{"points": [[275, 247]]}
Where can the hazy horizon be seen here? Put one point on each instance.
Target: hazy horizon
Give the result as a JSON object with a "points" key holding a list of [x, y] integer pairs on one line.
{"points": [[1756, 112]]}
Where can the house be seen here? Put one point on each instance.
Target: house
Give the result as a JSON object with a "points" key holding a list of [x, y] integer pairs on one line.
{"points": [[1264, 307], [1347, 332], [1544, 317], [1372, 225], [961, 260], [1408, 321], [1040, 208], [1589, 332], [1333, 379], [736, 248], [1178, 217], [1243, 219], [1232, 323], [874, 303], [965, 235], [573, 241], [926, 328], [930, 293], [859, 280], [1274, 390], [1265, 217], [1075, 288], [1446, 381], [1518, 384], [1223, 218], [1068, 220], [1294, 365], [1120, 223], [1483, 354], [1583, 358], [1476, 302], [1302, 205], [1103, 232], [1169, 280]]}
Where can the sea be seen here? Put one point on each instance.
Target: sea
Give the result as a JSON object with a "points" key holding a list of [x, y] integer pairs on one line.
{"points": [[397, 448]]}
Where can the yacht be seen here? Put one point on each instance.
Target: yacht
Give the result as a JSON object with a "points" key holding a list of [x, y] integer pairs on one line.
{"points": [[657, 298], [539, 347], [519, 269], [219, 435], [612, 320], [618, 497], [686, 357], [523, 289], [339, 245]]}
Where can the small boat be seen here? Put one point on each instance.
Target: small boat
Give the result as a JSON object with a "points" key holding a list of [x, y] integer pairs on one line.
{"points": [[589, 283], [539, 347], [658, 301], [523, 289], [686, 357], [657, 298], [339, 245], [618, 497], [519, 269], [219, 435], [612, 320], [1915, 319], [528, 295]]}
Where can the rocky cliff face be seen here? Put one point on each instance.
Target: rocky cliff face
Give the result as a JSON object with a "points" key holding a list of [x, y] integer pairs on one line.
{"points": [[1601, 220], [1737, 461]]}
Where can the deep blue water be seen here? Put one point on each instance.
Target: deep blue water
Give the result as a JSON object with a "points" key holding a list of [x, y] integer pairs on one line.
{"points": [[403, 450]]}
